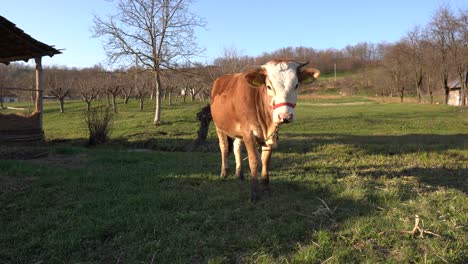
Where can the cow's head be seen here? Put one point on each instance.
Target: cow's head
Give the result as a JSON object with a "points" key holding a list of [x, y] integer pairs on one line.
{"points": [[280, 79]]}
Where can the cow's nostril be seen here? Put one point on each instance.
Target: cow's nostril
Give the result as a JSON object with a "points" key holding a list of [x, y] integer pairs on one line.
{"points": [[285, 118]]}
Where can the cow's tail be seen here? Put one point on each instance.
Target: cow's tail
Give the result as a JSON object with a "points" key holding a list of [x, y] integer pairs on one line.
{"points": [[204, 116]]}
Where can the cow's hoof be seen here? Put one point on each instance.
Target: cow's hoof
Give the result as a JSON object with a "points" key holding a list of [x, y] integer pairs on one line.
{"points": [[266, 190], [265, 186], [224, 174], [240, 175], [254, 191], [253, 197]]}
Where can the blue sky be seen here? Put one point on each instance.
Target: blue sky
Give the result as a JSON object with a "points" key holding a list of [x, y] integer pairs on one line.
{"points": [[252, 27]]}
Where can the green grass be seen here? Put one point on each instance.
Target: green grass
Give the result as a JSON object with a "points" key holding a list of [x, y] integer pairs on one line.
{"points": [[347, 181]]}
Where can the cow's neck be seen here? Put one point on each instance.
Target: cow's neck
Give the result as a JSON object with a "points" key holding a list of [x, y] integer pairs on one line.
{"points": [[265, 116]]}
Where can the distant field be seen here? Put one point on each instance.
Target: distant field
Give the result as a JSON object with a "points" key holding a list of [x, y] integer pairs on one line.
{"points": [[348, 178]]}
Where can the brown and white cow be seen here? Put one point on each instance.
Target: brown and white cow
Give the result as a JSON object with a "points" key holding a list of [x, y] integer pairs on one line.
{"points": [[250, 106]]}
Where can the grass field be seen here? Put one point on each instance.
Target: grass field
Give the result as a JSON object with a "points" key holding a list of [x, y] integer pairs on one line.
{"points": [[347, 180]]}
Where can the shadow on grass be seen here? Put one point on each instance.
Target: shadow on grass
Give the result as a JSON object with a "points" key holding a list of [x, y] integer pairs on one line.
{"points": [[299, 143], [168, 214], [375, 144], [172, 206]]}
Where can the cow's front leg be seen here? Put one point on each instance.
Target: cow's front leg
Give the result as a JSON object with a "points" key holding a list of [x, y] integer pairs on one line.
{"points": [[238, 155], [224, 147], [254, 156], [265, 179]]}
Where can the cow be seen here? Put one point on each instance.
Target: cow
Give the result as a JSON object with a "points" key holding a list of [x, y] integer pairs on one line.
{"points": [[250, 107]]}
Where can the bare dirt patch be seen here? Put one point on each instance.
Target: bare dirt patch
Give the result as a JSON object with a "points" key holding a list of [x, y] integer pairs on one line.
{"points": [[22, 153], [61, 159], [42, 156]]}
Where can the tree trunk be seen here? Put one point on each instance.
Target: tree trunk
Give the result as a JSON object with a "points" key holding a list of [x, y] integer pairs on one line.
{"points": [[61, 105], [429, 88], [462, 86], [447, 91], [88, 105], [126, 99], [114, 103], [446, 88], [402, 94], [170, 99], [419, 87], [157, 112], [141, 103]]}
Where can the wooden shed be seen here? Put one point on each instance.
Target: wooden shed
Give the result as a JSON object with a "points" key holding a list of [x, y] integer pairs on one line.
{"points": [[15, 45], [455, 91]]}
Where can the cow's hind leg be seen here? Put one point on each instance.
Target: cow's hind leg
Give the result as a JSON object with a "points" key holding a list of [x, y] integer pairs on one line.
{"points": [[238, 155], [224, 147]]}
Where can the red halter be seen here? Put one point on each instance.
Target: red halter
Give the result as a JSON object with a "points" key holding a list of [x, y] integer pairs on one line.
{"points": [[283, 104], [273, 107]]}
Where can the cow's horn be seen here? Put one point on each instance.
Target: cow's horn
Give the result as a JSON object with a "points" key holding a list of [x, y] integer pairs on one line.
{"points": [[302, 64]]}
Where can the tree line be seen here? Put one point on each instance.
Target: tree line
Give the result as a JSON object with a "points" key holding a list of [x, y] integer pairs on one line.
{"points": [[98, 84], [151, 39], [421, 63]]}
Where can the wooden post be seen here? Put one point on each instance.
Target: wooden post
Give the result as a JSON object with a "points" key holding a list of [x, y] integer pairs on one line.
{"points": [[39, 106]]}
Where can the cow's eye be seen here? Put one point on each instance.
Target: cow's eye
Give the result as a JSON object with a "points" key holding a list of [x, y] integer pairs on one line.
{"points": [[297, 85], [268, 87]]}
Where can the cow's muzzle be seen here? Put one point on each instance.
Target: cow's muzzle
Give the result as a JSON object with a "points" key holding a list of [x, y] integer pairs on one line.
{"points": [[285, 118]]}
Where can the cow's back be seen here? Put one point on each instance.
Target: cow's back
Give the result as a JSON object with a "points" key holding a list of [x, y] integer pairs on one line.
{"points": [[232, 103]]}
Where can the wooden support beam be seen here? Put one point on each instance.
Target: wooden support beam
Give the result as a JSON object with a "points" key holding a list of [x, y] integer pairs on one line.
{"points": [[39, 105]]}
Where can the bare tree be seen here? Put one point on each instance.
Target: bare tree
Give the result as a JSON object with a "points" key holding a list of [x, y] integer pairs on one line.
{"points": [[113, 88], [449, 34], [142, 87], [60, 86], [381, 82], [158, 33], [172, 81], [440, 40], [89, 89], [415, 54], [127, 84], [232, 61], [458, 45], [394, 62]]}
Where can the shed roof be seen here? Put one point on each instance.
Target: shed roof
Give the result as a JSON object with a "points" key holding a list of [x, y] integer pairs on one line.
{"points": [[16, 45], [455, 83]]}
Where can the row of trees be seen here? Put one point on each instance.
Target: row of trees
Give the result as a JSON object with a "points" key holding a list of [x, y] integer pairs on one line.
{"points": [[426, 57], [421, 63], [91, 84], [151, 37]]}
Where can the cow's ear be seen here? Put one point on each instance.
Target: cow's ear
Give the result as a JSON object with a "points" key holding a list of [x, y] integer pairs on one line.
{"points": [[255, 77], [308, 75]]}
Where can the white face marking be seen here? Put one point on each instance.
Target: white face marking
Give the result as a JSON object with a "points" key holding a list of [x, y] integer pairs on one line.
{"points": [[282, 79]]}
